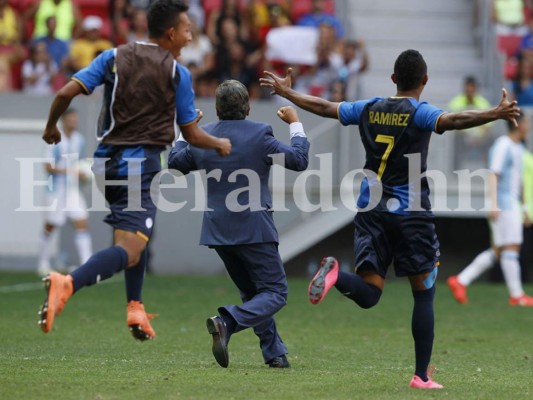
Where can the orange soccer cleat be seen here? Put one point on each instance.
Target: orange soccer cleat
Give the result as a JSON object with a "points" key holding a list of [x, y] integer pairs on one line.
{"points": [[458, 289], [523, 301], [139, 321], [58, 290]]}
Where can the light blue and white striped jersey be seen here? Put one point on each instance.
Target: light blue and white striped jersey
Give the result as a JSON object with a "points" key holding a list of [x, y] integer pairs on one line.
{"points": [[505, 160], [68, 145]]}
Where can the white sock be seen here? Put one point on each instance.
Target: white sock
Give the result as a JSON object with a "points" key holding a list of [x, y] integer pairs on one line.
{"points": [[45, 247], [481, 263], [84, 245], [511, 272]]}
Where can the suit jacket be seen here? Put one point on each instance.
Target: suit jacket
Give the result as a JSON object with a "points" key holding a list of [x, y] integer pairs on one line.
{"points": [[238, 198]]}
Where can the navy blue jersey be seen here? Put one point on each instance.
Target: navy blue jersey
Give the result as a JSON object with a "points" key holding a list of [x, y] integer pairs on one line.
{"points": [[117, 162], [391, 129]]}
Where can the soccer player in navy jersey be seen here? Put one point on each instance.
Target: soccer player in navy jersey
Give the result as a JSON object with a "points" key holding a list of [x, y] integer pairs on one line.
{"points": [[146, 93], [398, 225]]}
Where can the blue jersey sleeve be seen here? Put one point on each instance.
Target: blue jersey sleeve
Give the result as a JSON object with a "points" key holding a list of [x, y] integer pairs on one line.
{"points": [[93, 75], [185, 109], [349, 113], [427, 116]]}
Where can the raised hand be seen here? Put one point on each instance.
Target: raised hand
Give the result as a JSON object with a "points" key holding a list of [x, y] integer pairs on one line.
{"points": [[288, 114], [278, 85], [508, 110], [52, 135]]}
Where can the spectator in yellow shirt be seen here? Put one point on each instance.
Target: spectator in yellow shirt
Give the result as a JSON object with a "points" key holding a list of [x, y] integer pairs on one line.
{"points": [[471, 146], [90, 45], [67, 13]]}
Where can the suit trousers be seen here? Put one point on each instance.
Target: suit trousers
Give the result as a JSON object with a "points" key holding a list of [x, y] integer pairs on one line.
{"points": [[257, 271]]}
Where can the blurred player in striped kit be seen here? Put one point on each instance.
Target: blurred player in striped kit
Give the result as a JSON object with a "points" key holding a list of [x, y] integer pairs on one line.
{"points": [[505, 219], [65, 193]]}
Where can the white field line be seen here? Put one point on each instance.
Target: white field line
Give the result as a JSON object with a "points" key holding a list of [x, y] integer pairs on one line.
{"points": [[28, 287], [21, 287]]}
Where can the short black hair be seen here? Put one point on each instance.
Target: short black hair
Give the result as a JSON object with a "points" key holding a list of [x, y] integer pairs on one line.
{"points": [[232, 100], [162, 15], [470, 80], [410, 69]]}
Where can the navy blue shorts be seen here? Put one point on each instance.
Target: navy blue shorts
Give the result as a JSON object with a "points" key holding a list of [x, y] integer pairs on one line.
{"points": [[139, 215], [408, 241]]}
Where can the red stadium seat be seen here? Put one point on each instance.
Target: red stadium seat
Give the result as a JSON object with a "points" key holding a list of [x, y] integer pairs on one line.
{"points": [[211, 5], [92, 3], [99, 8], [508, 44], [16, 75], [301, 7], [21, 5], [510, 68]]}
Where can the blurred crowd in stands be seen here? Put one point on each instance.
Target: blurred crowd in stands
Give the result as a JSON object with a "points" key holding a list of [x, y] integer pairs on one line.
{"points": [[512, 22], [43, 42]]}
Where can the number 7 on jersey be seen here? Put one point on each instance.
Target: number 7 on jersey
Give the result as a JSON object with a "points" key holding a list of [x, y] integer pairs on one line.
{"points": [[389, 141]]}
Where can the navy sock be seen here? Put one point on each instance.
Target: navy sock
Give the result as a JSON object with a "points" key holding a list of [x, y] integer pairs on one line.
{"points": [[99, 267], [134, 278], [355, 288], [422, 325]]}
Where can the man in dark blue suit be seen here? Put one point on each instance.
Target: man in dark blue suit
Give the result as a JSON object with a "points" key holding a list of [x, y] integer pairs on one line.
{"points": [[238, 222]]}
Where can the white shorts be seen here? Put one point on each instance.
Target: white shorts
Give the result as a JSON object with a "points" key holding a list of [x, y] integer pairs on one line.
{"points": [[507, 229], [70, 205]]}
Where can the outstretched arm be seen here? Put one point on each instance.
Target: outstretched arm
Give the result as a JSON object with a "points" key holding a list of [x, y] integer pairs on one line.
{"points": [[282, 87], [196, 136], [507, 110], [61, 102], [180, 157]]}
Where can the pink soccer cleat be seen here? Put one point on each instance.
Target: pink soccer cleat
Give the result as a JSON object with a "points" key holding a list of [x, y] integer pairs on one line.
{"points": [[323, 280], [418, 383]]}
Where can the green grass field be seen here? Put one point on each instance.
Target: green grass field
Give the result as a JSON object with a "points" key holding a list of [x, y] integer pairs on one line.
{"points": [[483, 350]]}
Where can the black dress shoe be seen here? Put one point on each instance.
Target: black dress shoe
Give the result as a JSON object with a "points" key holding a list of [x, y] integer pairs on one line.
{"points": [[217, 327], [279, 362]]}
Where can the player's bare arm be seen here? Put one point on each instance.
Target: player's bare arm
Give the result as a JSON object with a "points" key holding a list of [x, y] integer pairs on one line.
{"points": [[60, 104], [197, 137], [507, 110], [283, 87]]}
